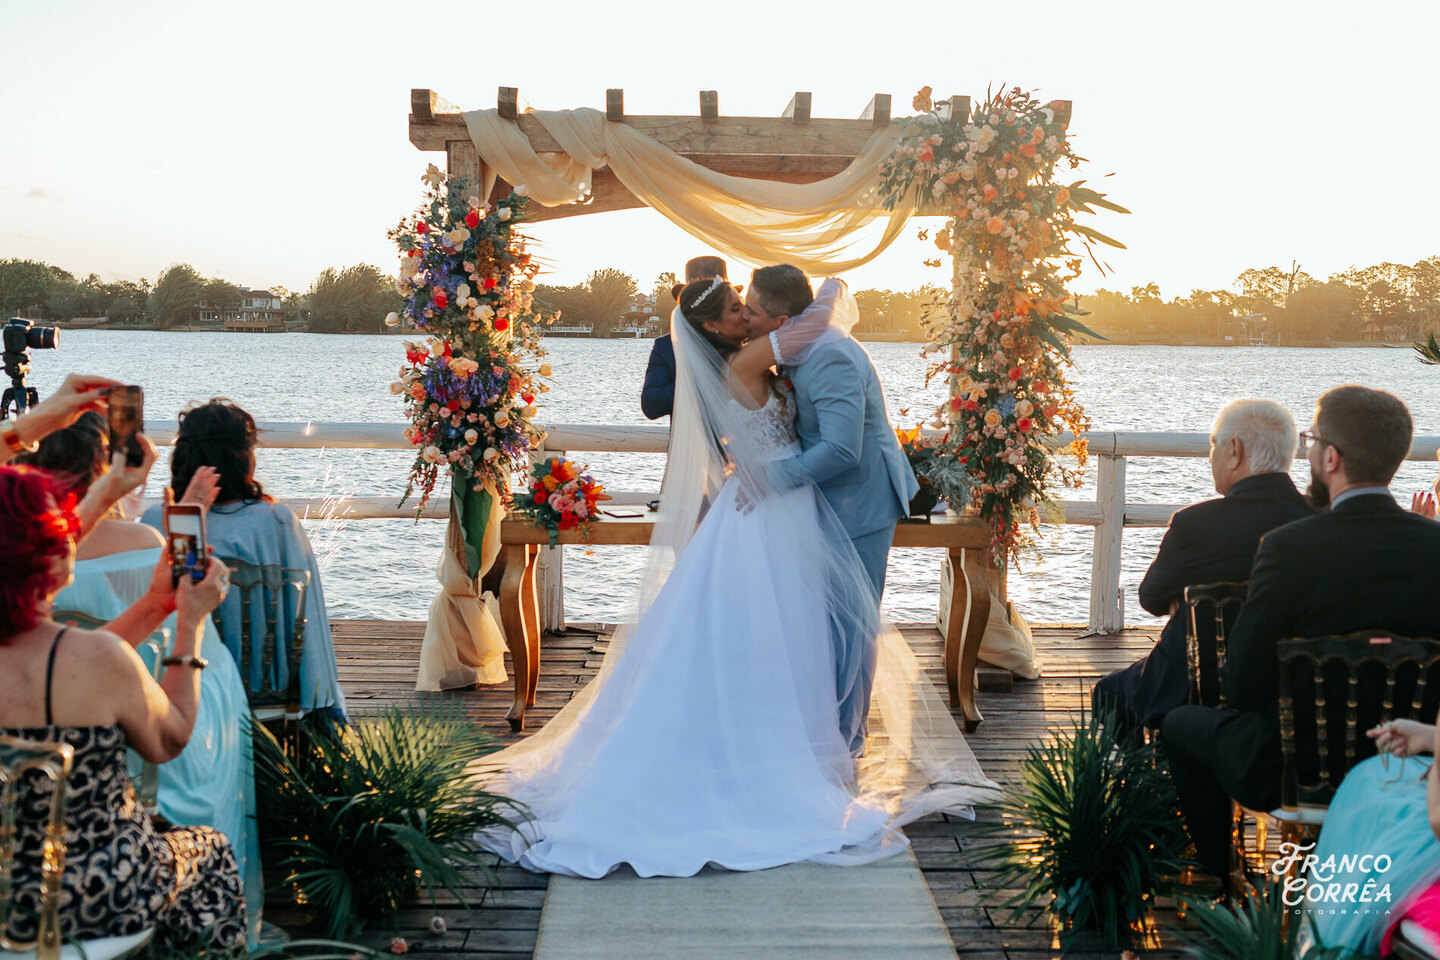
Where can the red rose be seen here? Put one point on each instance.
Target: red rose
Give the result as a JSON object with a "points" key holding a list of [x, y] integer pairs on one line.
{"points": [[957, 404], [1015, 373], [440, 299], [1024, 424], [501, 323], [963, 459], [540, 495], [422, 227], [489, 283], [453, 405], [528, 397], [415, 252], [971, 404], [472, 219]]}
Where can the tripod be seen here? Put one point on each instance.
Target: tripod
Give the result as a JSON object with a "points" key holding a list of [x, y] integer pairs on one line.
{"points": [[17, 365]]}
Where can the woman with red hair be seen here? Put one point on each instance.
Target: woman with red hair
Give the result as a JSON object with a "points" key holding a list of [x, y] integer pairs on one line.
{"points": [[91, 690]]}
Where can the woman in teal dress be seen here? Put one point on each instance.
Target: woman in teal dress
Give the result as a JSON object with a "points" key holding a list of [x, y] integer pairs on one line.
{"points": [[247, 524], [1387, 807], [211, 783]]}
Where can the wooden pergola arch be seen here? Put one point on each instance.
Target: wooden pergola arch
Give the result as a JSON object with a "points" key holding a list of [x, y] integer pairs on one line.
{"points": [[791, 148]]}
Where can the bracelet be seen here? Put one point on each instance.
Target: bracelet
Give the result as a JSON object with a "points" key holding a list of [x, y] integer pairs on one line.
{"points": [[199, 663], [11, 435]]}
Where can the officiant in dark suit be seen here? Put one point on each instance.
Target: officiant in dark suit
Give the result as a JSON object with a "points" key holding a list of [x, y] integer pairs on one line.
{"points": [[1365, 563], [1252, 446], [657, 398]]}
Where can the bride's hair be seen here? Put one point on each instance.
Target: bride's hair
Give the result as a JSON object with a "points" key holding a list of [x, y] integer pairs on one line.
{"points": [[709, 308]]}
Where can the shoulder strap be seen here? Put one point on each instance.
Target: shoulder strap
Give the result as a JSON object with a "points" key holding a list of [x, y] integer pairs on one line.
{"points": [[50, 673]]}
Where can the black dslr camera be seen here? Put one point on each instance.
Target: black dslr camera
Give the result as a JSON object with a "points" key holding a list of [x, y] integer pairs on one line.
{"points": [[19, 338]]}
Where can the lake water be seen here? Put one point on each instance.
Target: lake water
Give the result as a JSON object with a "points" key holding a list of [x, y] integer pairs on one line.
{"points": [[384, 568]]}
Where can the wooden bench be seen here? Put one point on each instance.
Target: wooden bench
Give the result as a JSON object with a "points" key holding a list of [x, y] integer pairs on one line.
{"points": [[966, 539]]}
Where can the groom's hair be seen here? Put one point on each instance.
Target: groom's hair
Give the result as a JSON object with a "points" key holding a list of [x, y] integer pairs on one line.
{"points": [[783, 289]]}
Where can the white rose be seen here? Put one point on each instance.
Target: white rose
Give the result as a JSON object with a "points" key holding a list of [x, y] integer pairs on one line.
{"points": [[546, 370], [392, 319], [485, 311], [471, 436], [491, 453], [462, 291], [502, 419], [521, 190], [397, 387], [431, 454], [503, 213]]}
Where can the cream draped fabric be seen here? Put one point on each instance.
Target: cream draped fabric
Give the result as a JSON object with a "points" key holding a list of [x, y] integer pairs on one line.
{"points": [[819, 227], [464, 644]]}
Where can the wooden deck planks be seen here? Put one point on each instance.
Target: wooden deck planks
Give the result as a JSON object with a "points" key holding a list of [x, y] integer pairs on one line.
{"points": [[377, 670]]}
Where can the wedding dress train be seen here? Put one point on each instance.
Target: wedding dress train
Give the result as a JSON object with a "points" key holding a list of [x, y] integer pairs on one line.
{"points": [[711, 734]]}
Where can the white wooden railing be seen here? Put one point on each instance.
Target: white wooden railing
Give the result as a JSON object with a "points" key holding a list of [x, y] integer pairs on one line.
{"points": [[1109, 513]]}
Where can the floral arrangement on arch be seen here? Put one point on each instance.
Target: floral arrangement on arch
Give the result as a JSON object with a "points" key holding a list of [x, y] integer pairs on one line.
{"points": [[562, 497], [469, 389], [1003, 335]]}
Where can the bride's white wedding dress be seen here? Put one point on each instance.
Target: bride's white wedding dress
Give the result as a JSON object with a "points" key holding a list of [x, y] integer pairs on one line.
{"points": [[711, 735]]}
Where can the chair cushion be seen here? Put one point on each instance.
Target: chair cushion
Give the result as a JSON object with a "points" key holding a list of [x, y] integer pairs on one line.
{"points": [[104, 948]]}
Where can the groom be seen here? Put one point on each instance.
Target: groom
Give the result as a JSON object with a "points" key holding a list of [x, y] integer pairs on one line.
{"points": [[850, 453]]}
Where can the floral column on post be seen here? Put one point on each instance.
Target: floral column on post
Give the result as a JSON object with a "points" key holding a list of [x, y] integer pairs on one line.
{"points": [[469, 393], [1003, 337]]}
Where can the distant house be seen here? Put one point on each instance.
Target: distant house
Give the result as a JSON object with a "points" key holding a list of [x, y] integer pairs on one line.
{"points": [[261, 305]]}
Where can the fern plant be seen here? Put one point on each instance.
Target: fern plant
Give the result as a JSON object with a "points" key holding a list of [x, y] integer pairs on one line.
{"points": [[366, 814], [1098, 831], [1249, 928]]}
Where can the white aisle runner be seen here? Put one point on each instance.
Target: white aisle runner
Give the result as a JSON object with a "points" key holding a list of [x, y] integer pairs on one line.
{"points": [[881, 909]]}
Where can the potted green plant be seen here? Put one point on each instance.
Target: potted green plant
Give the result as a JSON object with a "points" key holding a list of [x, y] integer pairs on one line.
{"points": [[357, 819], [1093, 831]]}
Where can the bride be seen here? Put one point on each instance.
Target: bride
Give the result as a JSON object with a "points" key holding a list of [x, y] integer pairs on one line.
{"points": [[712, 733]]}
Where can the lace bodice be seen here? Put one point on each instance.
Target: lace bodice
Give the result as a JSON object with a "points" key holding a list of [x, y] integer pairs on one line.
{"points": [[772, 426]]}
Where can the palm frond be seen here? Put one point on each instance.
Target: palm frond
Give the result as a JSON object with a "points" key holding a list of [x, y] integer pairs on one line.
{"points": [[1428, 350]]}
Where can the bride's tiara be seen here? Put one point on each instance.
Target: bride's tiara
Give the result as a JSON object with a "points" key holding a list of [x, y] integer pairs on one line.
{"points": [[715, 284]]}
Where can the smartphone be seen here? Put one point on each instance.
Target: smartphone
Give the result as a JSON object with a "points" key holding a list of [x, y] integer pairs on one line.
{"points": [[185, 539], [127, 421]]}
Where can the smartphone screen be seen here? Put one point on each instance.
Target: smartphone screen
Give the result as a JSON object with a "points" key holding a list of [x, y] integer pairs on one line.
{"points": [[185, 533], [127, 420]]}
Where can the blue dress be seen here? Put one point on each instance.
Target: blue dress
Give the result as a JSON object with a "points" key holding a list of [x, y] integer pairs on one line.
{"points": [[211, 783], [262, 532], [1372, 816]]}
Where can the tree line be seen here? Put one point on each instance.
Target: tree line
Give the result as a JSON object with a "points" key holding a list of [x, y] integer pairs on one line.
{"points": [[350, 300], [1386, 302]]}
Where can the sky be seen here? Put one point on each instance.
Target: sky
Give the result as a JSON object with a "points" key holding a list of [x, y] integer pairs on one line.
{"points": [[265, 141]]}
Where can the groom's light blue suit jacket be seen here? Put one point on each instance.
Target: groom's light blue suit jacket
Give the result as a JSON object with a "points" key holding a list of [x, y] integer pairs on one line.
{"points": [[850, 449]]}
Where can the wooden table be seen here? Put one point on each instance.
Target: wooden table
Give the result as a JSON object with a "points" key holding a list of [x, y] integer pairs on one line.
{"points": [[966, 539]]}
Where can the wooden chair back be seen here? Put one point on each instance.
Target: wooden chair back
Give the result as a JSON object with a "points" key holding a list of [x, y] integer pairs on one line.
{"points": [[1221, 600], [269, 635], [153, 649], [21, 760], [1333, 689]]}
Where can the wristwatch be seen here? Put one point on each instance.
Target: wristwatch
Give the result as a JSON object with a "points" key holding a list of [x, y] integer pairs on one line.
{"points": [[11, 437], [199, 663]]}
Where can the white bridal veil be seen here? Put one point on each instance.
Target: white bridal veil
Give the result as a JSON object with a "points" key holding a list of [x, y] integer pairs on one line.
{"points": [[777, 566]]}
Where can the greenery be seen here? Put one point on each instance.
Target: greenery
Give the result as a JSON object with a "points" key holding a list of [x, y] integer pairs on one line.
{"points": [[364, 815], [353, 300], [601, 301], [1252, 927], [1097, 832]]}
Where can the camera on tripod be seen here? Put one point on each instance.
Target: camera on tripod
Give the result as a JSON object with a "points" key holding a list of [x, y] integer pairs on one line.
{"points": [[19, 337]]}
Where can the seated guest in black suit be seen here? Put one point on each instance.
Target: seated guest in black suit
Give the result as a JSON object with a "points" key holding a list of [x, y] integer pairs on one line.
{"points": [[1365, 563], [657, 399], [1251, 448]]}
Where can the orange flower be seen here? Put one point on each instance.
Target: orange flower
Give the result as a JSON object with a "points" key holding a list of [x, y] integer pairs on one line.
{"points": [[994, 224], [990, 192], [1062, 196], [1024, 424], [1027, 150]]}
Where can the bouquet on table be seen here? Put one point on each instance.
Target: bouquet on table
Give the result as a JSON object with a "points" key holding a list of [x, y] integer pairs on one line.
{"points": [[562, 497], [470, 388]]}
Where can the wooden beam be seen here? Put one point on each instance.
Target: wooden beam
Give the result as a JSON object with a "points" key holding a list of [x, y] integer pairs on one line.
{"points": [[799, 108], [709, 105], [959, 110], [1062, 114], [877, 111], [462, 160], [742, 135], [507, 104], [615, 105], [426, 105]]}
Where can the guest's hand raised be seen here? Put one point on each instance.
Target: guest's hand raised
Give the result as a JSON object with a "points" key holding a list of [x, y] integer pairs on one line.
{"points": [[202, 490], [1423, 504]]}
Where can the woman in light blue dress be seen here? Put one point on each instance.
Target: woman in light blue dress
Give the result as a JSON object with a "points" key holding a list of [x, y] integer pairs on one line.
{"points": [[211, 783], [1379, 811], [247, 524]]}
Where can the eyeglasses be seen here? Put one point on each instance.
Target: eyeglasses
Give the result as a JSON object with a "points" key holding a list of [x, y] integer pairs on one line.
{"points": [[1310, 439]]}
